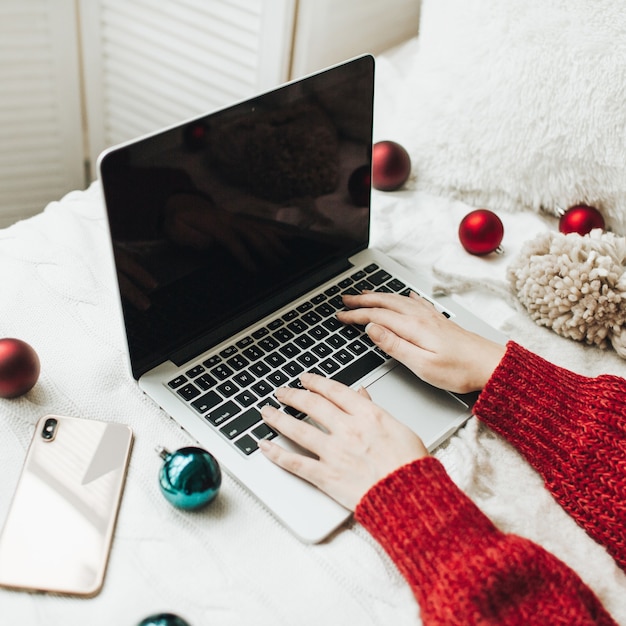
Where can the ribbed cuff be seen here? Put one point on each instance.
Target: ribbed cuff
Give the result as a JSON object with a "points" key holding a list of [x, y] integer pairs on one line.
{"points": [[547, 412], [571, 429]]}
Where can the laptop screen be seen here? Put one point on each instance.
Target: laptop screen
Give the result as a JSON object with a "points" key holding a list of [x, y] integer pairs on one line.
{"points": [[217, 221]]}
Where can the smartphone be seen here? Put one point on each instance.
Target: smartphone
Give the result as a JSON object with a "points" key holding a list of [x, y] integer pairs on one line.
{"points": [[58, 532]]}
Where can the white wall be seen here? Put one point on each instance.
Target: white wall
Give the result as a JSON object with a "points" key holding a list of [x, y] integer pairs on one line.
{"points": [[330, 31]]}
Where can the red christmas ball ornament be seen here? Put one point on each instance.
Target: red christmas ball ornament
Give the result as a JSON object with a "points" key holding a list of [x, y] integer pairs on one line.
{"points": [[481, 232], [391, 165], [580, 219], [19, 367]]}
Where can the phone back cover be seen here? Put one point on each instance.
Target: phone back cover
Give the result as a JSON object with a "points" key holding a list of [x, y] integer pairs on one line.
{"points": [[60, 524]]}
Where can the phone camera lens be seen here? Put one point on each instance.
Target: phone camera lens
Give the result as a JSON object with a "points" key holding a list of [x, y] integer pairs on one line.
{"points": [[49, 429]]}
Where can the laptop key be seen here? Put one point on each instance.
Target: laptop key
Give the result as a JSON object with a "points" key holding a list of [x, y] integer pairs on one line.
{"points": [[246, 444], [283, 335], [241, 423], [364, 285], [336, 341], [262, 388], [292, 369], [362, 366], [206, 381], [228, 388], [177, 382], [275, 359], [360, 275], [357, 347], [289, 350], [188, 392], [329, 366], [344, 357], [318, 332], [243, 379], [322, 350], [324, 309], [312, 318], [268, 402], [212, 360], [246, 398], [223, 413], [297, 326], [268, 344], [304, 341], [238, 362], [260, 332], [221, 372], [246, 341], [350, 332], [263, 431], [307, 359], [206, 402], [332, 323], [259, 369], [195, 371], [379, 277], [253, 353], [396, 285], [229, 351]]}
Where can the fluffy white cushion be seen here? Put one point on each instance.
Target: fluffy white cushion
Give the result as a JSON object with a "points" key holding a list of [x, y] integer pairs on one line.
{"points": [[515, 105]]}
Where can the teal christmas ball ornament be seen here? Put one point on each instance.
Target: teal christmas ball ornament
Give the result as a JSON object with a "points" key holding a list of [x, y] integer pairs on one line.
{"points": [[189, 478], [163, 619]]}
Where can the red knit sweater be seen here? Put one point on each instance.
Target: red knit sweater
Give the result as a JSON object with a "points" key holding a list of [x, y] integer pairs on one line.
{"points": [[462, 569]]}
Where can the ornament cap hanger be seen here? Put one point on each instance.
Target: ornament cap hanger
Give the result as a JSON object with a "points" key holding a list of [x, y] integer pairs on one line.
{"points": [[163, 452]]}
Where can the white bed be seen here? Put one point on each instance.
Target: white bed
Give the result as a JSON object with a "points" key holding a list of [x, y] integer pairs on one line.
{"points": [[232, 563]]}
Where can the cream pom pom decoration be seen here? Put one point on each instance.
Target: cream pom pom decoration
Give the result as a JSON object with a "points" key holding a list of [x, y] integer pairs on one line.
{"points": [[575, 285]]}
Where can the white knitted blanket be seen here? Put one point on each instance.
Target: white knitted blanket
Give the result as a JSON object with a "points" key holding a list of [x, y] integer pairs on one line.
{"points": [[233, 563]]}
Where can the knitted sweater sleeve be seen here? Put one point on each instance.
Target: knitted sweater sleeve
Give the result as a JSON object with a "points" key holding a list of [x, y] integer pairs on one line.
{"points": [[462, 569], [572, 430]]}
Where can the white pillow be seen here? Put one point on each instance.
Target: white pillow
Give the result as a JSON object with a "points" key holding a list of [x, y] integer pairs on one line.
{"points": [[520, 104]]}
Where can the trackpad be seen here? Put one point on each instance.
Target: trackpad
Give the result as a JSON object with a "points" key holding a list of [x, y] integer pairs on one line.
{"points": [[430, 412]]}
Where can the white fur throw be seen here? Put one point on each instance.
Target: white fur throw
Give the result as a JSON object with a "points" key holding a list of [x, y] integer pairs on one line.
{"points": [[517, 105], [575, 285]]}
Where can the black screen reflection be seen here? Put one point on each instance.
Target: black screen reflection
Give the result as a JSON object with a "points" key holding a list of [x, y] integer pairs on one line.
{"points": [[211, 218]]}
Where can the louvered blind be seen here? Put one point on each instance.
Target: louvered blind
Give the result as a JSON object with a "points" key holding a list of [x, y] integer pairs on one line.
{"points": [[41, 154], [151, 63]]}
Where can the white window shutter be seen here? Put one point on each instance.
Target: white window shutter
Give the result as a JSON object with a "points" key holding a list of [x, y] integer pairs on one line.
{"points": [[41, 148], [152, 63]]}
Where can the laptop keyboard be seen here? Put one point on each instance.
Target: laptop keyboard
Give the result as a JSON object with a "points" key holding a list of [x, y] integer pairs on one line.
{"points": [[229, 389]]}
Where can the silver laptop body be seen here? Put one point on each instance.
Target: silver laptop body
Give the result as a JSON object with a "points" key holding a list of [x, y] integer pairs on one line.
{"points": [[234, 235]]}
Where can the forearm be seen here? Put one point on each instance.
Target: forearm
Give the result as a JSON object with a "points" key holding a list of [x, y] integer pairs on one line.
{"points": [[572, 430], [461, 568]]}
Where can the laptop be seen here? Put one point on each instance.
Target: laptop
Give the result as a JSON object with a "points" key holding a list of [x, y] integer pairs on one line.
{"points": [[234, 235]]}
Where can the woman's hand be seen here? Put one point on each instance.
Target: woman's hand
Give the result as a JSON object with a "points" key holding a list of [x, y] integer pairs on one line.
{"points": [[357, 445], [434, 347]]}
